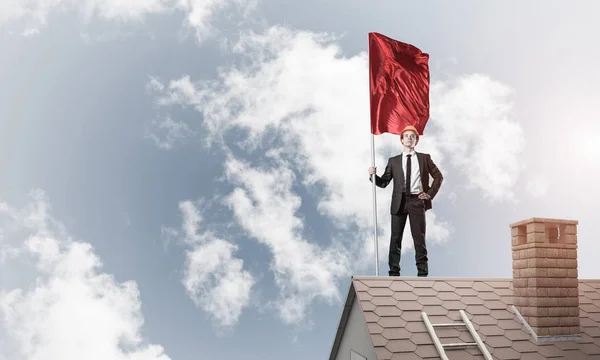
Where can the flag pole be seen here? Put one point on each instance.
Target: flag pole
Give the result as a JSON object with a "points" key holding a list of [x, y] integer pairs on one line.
{"points": [[374, 206], [373, 176]]}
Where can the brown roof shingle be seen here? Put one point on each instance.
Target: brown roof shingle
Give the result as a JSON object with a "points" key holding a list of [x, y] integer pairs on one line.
{"points": [[393, 306]]}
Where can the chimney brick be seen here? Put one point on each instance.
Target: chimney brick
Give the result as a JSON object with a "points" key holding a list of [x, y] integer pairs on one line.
{"points": [[570, 239], [519, 239], [542, 331], [545, 283], [570, 229], [558, 311], [536, 237]]}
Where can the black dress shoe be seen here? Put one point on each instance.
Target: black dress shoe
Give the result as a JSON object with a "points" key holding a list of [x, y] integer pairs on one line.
{"points": [[422, 275]]}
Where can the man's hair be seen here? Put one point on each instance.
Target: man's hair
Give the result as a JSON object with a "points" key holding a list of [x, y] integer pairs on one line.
{"points": [[414, 132]]}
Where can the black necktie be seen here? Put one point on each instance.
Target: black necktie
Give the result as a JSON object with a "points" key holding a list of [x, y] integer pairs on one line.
{"points": [[408, 172]]}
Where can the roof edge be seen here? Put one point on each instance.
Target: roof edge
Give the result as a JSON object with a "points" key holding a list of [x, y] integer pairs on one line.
{"points": [[343, 320], [392, 278]]}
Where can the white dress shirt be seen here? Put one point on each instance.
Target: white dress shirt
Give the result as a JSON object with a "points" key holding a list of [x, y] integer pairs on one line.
{"points": [[415, 175]]}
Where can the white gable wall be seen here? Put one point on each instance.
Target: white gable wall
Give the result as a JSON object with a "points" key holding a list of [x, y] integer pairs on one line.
{"points": [[356, 337]]}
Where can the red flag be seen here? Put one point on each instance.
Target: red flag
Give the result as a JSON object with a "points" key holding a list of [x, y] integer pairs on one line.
{"points": [[399, 85]]}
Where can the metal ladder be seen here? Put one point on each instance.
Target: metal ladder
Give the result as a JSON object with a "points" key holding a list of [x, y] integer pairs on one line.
{"points": [[466, 322]]}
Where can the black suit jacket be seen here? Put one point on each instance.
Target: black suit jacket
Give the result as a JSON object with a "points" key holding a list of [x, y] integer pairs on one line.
{"points": [[394, 171]]}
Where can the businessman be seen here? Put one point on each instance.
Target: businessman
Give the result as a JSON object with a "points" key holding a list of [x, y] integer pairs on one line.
{"points": [[411, 197]]}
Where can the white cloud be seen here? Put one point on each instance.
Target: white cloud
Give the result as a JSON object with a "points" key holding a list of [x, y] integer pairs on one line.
{"points": [[11, 10], [537, 187], [437, 231], [476, 130], [304, 106], [73, 311], [34, 15], [132, 10], [264, 204], [199, 13], [453, 197], [214, 279], [167, 133], [217, 282], [168, 234]]}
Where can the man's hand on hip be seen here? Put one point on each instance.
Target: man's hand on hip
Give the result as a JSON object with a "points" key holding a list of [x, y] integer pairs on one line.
{"points": [[424, 196]]}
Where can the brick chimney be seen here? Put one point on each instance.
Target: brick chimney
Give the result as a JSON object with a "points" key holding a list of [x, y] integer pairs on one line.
{"points": [[546, 288]]}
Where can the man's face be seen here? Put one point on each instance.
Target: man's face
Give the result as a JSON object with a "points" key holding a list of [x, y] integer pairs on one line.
{"points": [[409, 139]]}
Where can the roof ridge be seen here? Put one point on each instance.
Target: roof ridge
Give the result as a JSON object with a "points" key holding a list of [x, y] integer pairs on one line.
{"points": [[413, 278]]}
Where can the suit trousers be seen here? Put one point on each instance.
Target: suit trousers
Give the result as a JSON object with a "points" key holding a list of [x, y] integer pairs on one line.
{"points": [[413, 208]]}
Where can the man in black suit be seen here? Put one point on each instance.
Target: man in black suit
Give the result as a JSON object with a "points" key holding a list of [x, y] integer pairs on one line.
{"points": [[411, 197]]}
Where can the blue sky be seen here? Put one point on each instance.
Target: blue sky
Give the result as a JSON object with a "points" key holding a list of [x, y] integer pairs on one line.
{"points": [[188, 179]]}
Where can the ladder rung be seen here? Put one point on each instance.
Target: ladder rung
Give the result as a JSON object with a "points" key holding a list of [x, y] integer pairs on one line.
{"points": [[459, 345], [446, 325]]}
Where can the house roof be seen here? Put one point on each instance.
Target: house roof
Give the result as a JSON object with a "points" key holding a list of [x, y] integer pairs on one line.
{"points": [[392, 309]]}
